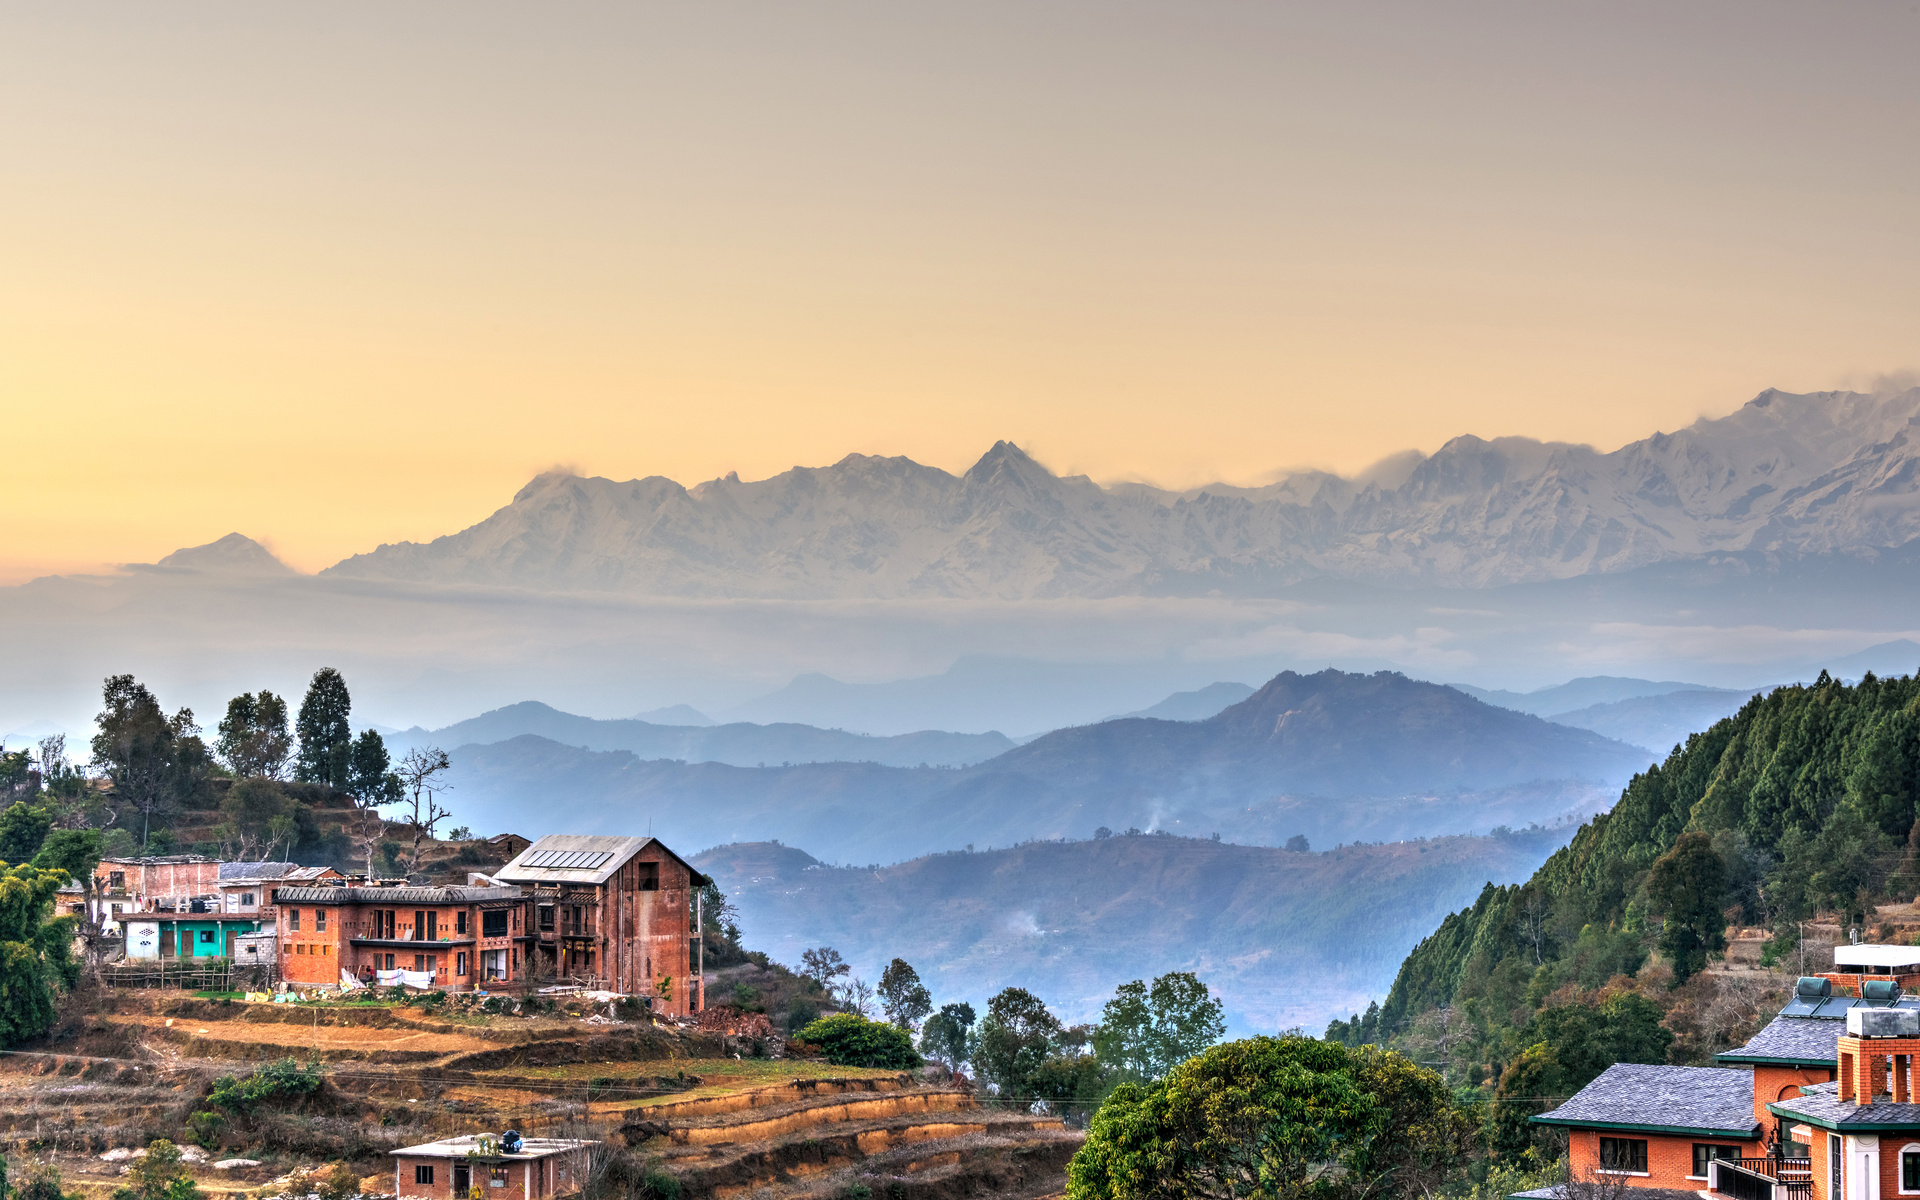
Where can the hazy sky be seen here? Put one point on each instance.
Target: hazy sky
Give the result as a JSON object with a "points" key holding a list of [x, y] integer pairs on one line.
{"points": [[340, 274]]}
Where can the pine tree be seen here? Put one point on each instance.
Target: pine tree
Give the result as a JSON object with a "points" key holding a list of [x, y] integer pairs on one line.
{"points": [[322, 725]]}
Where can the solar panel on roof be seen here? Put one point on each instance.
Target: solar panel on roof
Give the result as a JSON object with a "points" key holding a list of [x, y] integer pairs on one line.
{"points": [[569, 860]]}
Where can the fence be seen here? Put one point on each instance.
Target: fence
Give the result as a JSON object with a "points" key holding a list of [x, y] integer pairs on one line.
{"points": [[192, 974], [1761, 1178]]}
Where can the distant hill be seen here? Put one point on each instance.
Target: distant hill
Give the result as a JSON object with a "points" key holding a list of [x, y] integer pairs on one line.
{"points": [[1336, 757], [1284, 937], [1657, 723], [675, 714], [1196, 705], [737, 744], [1327, 734], [1575, 694]]}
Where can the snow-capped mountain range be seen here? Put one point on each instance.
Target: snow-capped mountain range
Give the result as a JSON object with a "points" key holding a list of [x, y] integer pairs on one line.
{"points": [[1815, 473]]}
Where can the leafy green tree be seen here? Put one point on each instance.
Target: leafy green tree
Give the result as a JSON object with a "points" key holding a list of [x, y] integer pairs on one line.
{"points": [[18, 779], [153, 759], [945, 1037], [252, 739], [36, 956], [850, 1040], [1145, 1031], [903, 997], [22, 829], [1689, 884], [1275, 1117], [322, 726], [159, 1175], [1016, 1036], [258, 816]]}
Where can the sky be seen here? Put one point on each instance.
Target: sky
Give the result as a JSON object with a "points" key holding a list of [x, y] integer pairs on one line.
{"points": [[336, 275]]}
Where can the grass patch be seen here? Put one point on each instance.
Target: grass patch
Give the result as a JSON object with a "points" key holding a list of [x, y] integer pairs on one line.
{"points": [[220, 995]]}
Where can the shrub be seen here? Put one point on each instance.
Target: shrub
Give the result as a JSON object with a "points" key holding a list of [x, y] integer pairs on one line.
{"points": [[275, 1081], [658, 1185], [205, 1126], [850, 1040]]}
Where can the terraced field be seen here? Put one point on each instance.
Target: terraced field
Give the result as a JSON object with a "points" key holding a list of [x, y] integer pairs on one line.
{"points": [[139, 1064]]}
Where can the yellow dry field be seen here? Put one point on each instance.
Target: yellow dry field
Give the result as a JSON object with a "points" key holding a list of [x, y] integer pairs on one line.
{"points": [[718, 1077]]}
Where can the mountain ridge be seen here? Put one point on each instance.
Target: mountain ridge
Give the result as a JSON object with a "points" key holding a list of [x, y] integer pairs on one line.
{"points": [[1809, 474]]}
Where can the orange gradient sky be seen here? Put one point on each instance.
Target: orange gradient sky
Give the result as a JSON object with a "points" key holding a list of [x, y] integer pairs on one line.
{"points": [[336, 275]]}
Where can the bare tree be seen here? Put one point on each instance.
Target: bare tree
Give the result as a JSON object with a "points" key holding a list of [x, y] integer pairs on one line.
{"points": [[422, 779], [1593, 1183], [856, 996], [823, 965], [1533, 916]]}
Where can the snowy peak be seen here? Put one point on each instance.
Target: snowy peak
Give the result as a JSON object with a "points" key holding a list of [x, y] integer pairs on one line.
{"points": [[1812, 473], [234, 554]]}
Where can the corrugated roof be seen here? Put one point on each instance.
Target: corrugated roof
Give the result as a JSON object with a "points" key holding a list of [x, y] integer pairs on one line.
{"points": [[393, 895], [1711, 1100], [230, 871], [580, 858]]}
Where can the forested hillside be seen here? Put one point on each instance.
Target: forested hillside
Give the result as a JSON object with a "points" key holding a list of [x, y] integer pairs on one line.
{"points": [[1800, 803]]}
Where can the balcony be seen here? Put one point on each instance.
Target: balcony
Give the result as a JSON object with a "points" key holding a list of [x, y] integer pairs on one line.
{"points": [[1761, 1178]]}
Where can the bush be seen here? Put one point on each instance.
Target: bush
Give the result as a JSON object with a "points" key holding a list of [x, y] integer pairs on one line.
{"points": [[205, 1126], [850, 1040], [275, 1081], [658, 1185]]}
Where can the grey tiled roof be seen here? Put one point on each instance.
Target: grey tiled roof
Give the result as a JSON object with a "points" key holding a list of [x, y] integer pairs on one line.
{"points": [[393, 895], [1700, 1099], [1811, 1040], [1821, 1105], [255, 870]]}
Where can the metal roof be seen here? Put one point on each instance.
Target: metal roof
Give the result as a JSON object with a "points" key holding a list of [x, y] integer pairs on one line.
{"points": [[1708, 1100], [393, 895], [1876, 956], [230, 871], [580, 858]]}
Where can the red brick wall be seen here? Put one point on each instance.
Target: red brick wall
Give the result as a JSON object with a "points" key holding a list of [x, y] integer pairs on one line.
{"points": [[1669, 1158], [309, 955], [1771, 1083]]}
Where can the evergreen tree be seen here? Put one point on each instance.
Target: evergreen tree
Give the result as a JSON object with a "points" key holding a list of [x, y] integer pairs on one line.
{"points": [[22, 829], [322, 726], [154, 760], [1689, 884]]}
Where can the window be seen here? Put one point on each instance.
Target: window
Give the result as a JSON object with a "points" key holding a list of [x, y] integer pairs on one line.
{"points": [[300, 948], [460, 922], [419, 962], [423, 1173], [293, 919], [493, 923], [206, 937], [420, 925], [1705, 1152], [460, 965], [117, 880], [649, 874], [389, 965], [1910, 1168], [247, 900], [1837, 1188], [319, 920], [496, 1177], [1628, 1155], [546, 918]]}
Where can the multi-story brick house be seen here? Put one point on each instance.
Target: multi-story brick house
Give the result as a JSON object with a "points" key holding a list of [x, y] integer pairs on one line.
{"points": [[1802, 1111], [456, 938], [134, 885], [615, 912]]}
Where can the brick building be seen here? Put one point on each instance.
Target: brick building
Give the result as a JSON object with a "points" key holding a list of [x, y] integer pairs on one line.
{"points": [[1818, 1105], [462, 1167], [620, 913], [460, 937]]}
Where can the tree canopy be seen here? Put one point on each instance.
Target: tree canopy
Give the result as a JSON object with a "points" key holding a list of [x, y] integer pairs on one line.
{"points": [[1280, 1117], [36, 956], [324, 730], [1144, 1032], [903, 997]]}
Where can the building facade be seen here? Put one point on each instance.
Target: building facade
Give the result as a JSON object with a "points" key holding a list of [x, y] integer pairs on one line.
{"points": [[456, 938], [460, 1168], [619, 913]]}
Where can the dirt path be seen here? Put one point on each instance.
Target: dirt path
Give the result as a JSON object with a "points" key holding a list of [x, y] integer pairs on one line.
{"points": [[297, 1037]]}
